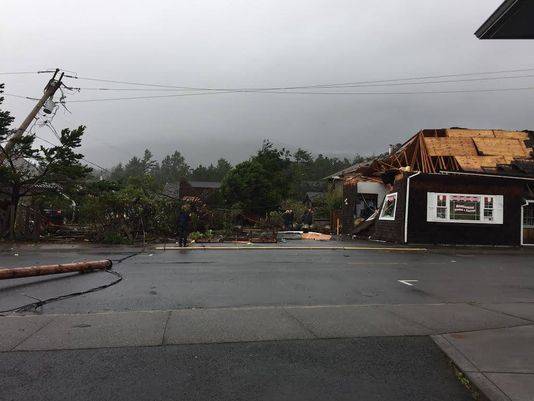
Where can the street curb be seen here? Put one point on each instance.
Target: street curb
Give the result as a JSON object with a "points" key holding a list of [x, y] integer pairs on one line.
{"points": [[482, 388], [288, 248]]}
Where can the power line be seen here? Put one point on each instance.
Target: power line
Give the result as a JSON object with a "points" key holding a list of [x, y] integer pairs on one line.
{"points": [[150, 97], [18, 96], [300, 93], [19, 73], [331, 85], [96, 165], [87, 161], [309, 93]]}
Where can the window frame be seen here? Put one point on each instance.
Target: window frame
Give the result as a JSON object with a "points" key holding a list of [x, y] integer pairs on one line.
{"points": [[390, 218], [497, 209]]}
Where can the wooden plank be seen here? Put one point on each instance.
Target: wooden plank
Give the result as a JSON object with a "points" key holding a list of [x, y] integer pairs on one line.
{"points": [[450, 146], [475, 163], [501, 147], [470, 133], [511, 134]]}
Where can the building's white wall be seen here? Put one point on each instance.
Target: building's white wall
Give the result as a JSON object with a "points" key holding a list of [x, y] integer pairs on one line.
{"points": [[369, 187]]}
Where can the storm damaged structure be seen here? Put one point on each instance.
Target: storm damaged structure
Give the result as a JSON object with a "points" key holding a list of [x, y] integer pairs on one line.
{"points": [[446, 186]]}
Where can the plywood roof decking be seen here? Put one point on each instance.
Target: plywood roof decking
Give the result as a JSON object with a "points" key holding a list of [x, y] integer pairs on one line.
{"points": [[511, 134], [501, 147], [463, 133], [485, 133], [476, 163], [457, 149], [447, 146], [475, 150]]}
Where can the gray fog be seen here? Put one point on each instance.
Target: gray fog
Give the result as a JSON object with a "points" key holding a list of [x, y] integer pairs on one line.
{"points": [[268, 43]]}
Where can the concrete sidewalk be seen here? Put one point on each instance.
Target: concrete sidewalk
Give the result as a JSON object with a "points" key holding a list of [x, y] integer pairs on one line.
{"points": [[492, 344], [221, 325], [498, 362]]}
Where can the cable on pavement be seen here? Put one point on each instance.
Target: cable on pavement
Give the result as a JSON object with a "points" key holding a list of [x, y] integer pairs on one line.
{"points": [[33, 306], [38, 304]]}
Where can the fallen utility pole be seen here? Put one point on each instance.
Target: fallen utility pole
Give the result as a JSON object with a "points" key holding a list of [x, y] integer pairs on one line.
{"points": [[82, 267], [50, 89]]}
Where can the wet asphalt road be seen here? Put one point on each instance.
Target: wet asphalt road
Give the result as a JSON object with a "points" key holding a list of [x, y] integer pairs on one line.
{"points": [[174, 279]]}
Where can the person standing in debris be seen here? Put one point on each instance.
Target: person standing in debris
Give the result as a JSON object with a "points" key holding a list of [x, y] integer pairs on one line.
{"points": [[307, 219], [288, 219], [183, 226]]}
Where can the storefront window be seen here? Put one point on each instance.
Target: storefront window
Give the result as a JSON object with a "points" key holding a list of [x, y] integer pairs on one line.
{"points": [[465, 208], [389, 207]]}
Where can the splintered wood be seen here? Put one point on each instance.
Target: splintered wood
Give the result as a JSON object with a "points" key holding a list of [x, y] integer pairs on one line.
{"points": [[446, 146], [501, 147]]}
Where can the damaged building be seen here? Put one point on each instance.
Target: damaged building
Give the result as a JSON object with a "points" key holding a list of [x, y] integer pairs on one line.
{"points": [[446, 186]]}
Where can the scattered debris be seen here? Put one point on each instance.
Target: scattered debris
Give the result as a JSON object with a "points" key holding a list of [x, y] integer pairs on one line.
{"points": [[289, 235], [316, 236]]}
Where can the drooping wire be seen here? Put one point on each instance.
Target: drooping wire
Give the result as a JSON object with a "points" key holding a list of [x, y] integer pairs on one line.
{"points": [[84, 159], [344, 86], [19, 96], [406, 93], [314, 93], [312, 86], [19, 73]]}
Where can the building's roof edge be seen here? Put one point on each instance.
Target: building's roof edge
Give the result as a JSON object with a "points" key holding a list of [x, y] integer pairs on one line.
{"points": [[491, 25]]}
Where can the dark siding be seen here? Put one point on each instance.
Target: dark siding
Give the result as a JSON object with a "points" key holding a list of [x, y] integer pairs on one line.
{"points": [[393, 230], [421, 231]]}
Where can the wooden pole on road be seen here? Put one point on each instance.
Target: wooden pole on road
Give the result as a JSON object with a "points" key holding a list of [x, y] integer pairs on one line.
{"points": [[82, 267]]}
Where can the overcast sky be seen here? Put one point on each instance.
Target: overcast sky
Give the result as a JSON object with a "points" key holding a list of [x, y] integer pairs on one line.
{"points": [[269, 43]]}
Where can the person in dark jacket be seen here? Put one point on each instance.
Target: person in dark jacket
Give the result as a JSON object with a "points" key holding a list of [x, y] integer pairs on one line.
{"points": [[288, 217], [183, 227], [307, 219]]}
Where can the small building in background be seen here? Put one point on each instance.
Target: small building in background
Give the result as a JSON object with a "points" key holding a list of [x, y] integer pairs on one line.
{"points": [[187, 190], [198, 189]]}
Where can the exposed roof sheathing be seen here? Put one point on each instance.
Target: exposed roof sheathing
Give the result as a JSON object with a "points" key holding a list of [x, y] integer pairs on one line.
{"points": [[500, 147], [446, 146], [511, 134], [472, 133], [457, 149], [477, 163]]}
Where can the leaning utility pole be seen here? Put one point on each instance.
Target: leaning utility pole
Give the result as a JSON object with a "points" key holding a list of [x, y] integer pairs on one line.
{"points": [[50, 89]]}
